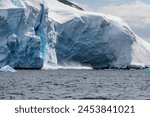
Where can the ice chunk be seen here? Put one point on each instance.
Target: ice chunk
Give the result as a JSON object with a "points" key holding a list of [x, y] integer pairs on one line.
{"points": [[147, 70], [7, 68]]}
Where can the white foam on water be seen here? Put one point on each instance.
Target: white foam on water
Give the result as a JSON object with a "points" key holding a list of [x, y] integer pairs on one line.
{"points": [[65, 66]]}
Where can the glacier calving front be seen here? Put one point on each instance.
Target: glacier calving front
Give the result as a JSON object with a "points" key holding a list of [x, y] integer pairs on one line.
{"points": [[36, 34]]}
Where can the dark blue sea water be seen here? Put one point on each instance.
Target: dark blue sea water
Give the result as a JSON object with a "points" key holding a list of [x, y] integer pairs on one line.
{"points": [[75, 84]]}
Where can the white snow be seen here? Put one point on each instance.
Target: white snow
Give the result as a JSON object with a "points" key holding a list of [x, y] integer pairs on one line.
{"points": [[6, 4]]}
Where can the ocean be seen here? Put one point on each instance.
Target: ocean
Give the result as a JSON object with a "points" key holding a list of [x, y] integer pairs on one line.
{"points": [[76, 84]]}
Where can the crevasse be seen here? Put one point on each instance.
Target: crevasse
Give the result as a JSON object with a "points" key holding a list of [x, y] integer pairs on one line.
{"points": [[40, 31], [48, 37]]}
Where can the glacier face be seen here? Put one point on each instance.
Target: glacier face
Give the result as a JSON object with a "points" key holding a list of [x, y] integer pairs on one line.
{"points": [[95, 41], [36, 34], [20, 44]]}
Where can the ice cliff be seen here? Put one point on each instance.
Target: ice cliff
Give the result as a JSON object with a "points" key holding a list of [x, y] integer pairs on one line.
{"points": [[42, 33]]}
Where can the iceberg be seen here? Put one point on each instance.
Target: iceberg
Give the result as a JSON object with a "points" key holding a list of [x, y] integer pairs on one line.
{"points": [[147, 69], [45, 33], [7, 68]]}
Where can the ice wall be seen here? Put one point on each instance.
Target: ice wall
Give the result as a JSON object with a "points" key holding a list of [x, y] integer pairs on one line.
{"points": [[19, 43]]}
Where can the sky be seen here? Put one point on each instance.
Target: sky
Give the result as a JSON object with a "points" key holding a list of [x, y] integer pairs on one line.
{"points": [[135, 12]]}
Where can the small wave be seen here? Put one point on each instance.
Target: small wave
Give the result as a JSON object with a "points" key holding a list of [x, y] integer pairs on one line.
{"points": [[95, 98]]}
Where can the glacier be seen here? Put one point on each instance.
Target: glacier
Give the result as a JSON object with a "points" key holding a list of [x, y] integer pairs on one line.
{"points": [[39, 34]]}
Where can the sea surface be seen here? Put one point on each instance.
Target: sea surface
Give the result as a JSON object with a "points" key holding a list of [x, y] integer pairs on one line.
{"points": [[75, 84]]}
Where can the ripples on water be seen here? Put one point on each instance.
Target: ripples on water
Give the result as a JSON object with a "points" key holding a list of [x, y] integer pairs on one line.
{"points": [[75, 84]]}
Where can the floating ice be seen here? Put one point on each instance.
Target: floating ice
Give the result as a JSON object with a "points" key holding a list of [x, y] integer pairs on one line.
{"points": [[147, 70], [7, 68]]}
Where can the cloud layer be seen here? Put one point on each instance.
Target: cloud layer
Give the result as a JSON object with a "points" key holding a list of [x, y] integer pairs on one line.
{"points": [[137, 14]]}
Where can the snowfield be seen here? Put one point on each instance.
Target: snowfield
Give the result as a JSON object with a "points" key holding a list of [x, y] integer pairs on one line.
{"points": [[46, 33]]}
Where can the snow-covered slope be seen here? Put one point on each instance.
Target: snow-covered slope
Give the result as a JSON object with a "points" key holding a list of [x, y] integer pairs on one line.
{"points": [[6, 4], [41, 33]]}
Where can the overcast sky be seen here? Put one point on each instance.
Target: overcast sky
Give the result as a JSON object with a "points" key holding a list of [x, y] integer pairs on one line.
{"points": [[135, 12]]}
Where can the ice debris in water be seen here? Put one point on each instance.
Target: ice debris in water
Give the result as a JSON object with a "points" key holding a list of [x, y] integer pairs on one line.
{"points": [[7, 68], [147, 70]]}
